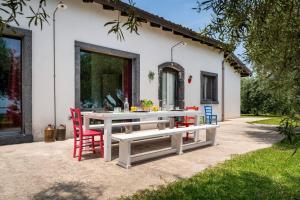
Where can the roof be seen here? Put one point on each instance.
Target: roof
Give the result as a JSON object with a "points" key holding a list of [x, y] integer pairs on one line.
{"points": [[165, 25]]}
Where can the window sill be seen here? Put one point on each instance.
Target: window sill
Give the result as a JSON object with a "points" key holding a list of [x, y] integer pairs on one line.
{"points": [[209, 102]]}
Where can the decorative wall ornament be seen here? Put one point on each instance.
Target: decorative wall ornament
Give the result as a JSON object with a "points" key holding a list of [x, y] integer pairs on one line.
{"points": [[151, 75], [190, 79]]}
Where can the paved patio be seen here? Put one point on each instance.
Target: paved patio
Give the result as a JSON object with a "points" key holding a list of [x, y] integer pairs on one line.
{"points": [[48, 171]]}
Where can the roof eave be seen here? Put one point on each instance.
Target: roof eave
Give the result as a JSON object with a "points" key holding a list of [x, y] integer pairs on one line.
{"points": [[165, 25]]}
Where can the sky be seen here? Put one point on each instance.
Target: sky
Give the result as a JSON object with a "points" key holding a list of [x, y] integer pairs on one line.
{"points": [[180, 12]]}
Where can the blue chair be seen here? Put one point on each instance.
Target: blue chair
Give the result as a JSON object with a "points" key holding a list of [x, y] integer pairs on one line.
{"points": [[209, 117]]}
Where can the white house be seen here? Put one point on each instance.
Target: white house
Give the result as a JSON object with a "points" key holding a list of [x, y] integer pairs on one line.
{"points": [[92, 64]]}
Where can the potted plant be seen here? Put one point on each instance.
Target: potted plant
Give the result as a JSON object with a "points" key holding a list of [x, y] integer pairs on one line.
{"points": [[146, 104]]}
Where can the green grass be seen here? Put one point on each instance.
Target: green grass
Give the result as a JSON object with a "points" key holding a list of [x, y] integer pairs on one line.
{"points": [[272, 119], [259, 116], [271, 173], [269, 121]]}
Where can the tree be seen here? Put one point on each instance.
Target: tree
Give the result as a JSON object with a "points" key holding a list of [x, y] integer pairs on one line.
{"points": [[257, 99], [270, 33], [13, 8]]}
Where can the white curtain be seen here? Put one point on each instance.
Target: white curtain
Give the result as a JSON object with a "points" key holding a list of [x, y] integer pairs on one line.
{"points": [[168, 88]]}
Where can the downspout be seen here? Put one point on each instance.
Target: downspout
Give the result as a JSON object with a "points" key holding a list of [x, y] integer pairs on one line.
{"points": [[223, 90]]}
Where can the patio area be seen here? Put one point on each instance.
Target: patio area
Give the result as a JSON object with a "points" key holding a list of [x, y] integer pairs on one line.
{"points": [[48, 171]]}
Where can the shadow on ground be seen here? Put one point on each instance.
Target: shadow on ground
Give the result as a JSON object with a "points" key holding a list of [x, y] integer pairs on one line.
{"points": [[69, 191]]}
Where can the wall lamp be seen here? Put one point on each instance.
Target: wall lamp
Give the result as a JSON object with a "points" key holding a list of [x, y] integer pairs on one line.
{"points": [[60, 6], [179, 44]]}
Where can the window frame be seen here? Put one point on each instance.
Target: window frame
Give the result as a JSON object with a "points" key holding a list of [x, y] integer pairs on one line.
{"points": [[129, 63], [180, 97], [135, 82], [215, 86]]}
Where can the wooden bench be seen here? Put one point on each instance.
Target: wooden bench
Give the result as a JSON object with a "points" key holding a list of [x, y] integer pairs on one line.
{"points": [[123, 124], [125, 140]]}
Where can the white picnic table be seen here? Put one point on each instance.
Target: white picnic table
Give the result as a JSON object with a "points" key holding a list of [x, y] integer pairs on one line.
{"points": [[108, 117]]}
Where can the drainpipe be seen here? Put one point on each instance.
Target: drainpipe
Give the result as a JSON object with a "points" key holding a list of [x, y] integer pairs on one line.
{"points": [[223, 90]]}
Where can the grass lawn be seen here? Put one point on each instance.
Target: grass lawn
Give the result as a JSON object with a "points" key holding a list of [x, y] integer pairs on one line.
{"points": [[269, 121], [271, 173]]}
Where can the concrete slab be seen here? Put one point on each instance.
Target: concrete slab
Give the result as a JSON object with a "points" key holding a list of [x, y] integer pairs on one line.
{"points": [[48, 171]]}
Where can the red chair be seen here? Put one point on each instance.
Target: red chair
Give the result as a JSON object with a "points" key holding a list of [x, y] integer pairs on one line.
{"points": [[84, 139], [187, 121]]}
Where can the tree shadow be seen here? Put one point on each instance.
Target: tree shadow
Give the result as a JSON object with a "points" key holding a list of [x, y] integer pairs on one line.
{"points": [[268, 137], [69, 191]]}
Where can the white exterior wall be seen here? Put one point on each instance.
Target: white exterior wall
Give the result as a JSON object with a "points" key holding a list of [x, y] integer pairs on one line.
{"points": [[85, 23], [232, 85]]}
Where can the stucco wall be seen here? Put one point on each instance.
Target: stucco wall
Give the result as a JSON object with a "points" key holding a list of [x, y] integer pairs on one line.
{"points": [[85, 23], [232, 98]]}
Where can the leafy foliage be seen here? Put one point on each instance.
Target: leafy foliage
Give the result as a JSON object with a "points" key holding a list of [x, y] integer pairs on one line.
{"points": [[270, 32], [132, 22], [287, 128], [13, 8], [146, 103], [257, 98]]}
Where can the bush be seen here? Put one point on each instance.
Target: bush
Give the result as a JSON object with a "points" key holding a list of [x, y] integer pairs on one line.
{"points": [[257, 97]]}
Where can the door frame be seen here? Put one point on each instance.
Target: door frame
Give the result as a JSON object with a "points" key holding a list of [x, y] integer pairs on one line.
{"points": [[26, 131], [180, 82]]}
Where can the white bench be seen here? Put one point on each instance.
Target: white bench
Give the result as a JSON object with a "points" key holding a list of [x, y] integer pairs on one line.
{"points": [[122, 124], [125, 140]]}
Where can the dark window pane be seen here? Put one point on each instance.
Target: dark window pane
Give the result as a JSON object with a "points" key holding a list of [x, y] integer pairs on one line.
{"points": [[104, 81], [10, 84], [209, 88]]}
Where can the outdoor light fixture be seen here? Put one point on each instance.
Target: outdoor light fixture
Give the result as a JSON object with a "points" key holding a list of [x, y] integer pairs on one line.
{"points": [[190, 79], [176, 45], [60, 6]]}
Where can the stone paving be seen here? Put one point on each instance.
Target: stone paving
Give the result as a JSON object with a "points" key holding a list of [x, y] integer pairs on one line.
{"points": [[48, 171]]}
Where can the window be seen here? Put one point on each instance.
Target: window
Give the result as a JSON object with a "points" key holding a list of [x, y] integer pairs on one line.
{"points": [[209, 88], [10, 84], [104, 81]]}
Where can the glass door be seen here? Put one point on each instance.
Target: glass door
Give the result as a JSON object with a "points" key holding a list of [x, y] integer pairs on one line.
{"points": [[10, 84], [169, 79]]}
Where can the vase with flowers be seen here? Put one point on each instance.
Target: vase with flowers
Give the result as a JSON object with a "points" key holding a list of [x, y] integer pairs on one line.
{"points": [[146, 104]]}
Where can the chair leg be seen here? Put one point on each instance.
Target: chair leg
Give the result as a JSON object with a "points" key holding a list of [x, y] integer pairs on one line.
{"points": [[80, 150], [93, 144], [101, 146], [187, 133], [74, 149]]}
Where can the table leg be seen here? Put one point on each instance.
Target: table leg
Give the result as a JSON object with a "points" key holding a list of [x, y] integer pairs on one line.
{"points": [[86, 122], [211, 135], [196, 133], [107, 139], [176, 142]]}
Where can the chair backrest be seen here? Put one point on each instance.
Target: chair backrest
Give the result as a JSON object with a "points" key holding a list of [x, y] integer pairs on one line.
{"points": [[187, 118], [77, 122], [208, 110]]}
